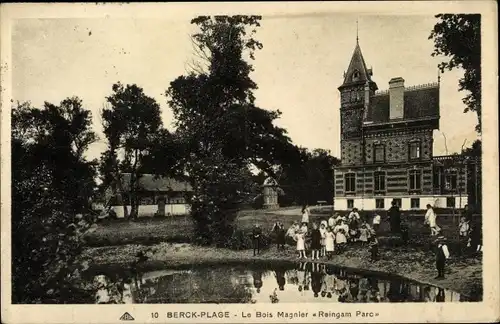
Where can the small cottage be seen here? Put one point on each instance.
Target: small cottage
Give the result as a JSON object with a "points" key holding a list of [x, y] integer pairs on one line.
{"points": [[157, 196]]}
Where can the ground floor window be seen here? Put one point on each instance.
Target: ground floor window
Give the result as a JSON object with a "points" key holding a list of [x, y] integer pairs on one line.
{"points": [[379, 203], [146, 201], [350, 182], [450, 202], [350, 203], [177, 200], [415, 203], [397, 201]]}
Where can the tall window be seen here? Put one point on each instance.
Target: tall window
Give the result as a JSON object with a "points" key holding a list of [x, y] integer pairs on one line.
{"points": [[379, 154], [451, 180], [415, 179], [414, 150], [350, 182], [415, 203], [398, 202], [450, 202], [379, 180], [379, 203]]}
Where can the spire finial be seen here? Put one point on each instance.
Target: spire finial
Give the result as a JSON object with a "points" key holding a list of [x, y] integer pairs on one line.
{"points": [[357, 32]]}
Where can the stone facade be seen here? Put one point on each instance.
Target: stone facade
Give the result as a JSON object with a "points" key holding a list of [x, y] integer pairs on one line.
{"points": [[387, 144]]}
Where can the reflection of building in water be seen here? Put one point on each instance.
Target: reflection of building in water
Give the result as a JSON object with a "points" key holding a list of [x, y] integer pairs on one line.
{"points": [[242, 279], [239, 285]]}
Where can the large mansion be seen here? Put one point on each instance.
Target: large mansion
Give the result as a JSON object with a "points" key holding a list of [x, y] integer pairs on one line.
{"points": [[387, 145]]}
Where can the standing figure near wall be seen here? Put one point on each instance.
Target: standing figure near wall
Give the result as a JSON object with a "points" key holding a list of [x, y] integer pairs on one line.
{"points": [[395, 218]]}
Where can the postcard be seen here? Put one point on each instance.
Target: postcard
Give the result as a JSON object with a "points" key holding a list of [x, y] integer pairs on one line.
{"points": [[250, 162]]}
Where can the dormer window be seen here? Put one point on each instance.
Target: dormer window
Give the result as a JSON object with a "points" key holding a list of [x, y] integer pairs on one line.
{"points": [[355, 75]]}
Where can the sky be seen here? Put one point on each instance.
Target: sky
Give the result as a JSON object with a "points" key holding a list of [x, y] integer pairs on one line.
{"points": [[298, 70]]}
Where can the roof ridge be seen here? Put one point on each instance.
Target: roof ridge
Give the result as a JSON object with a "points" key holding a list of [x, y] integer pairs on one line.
{"points": [[422, 86], [411, 88]]}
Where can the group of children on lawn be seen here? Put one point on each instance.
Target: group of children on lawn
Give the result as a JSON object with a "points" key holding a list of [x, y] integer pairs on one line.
{"points": [[330, 235]]}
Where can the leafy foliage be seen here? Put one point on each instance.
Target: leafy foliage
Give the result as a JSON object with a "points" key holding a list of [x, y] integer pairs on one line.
{"points": [[474, 149], [309, 178], [221, 129], [131, 126], [458, 36], [51, 182], [474, 178]]}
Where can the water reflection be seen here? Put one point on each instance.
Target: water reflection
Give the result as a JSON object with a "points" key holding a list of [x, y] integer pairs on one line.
{"points": [[303, 282]]}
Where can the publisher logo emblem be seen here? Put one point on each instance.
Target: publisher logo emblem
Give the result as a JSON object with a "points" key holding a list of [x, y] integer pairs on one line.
{"points": [[126, 317]]}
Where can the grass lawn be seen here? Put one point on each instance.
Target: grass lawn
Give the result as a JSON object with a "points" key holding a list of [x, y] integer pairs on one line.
{"points": [[179, 229]]}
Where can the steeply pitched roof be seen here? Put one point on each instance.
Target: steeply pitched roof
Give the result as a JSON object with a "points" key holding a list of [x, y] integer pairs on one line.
{"points": [[357, 64], [149, 182], [419, 102]]}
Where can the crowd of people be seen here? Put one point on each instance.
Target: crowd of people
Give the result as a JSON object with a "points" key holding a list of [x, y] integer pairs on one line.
{"points": [[329, 236]]}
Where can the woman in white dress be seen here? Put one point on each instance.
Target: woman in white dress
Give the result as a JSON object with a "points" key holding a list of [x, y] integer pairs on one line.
{"points": [[329, 242], [430, 218], [305, 214]]}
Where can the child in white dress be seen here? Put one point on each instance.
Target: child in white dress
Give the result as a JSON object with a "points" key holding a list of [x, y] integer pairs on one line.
{"points": [[363, 234], [463, 227], [341, 231], [329, 242], [301, 237], [322, 230]]}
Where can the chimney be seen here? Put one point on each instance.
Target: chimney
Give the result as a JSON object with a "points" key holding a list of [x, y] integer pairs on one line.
{"points": [[396, 97]]}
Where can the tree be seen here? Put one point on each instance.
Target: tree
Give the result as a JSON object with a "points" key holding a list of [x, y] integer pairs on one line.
{"points": [[221, 129], [131, 124], [474, 149], [458, 36], [474, 171], [309, 178], [58, 136], [51, 182]]}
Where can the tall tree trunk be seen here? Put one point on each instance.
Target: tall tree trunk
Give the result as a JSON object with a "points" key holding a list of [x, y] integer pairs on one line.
{"points": [[134, 180], [118, 179]]}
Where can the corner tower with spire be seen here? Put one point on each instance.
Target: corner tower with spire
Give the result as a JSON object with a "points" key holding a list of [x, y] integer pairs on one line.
{"points": [[355, 93]]}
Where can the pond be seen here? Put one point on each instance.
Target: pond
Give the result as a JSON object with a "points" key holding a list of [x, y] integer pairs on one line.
{"points": [[263, 283]]}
